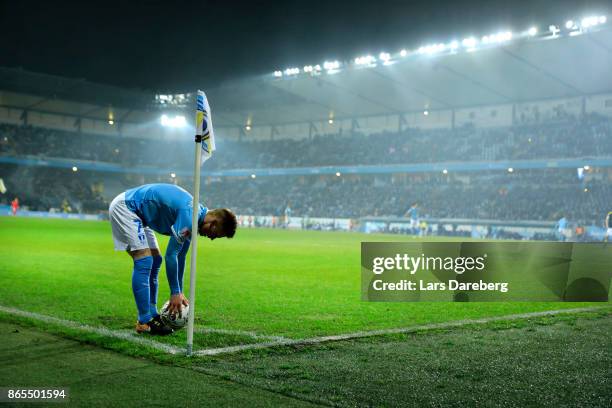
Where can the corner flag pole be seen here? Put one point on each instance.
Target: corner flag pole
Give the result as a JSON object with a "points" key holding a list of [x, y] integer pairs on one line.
{"points": [[204, 140]]}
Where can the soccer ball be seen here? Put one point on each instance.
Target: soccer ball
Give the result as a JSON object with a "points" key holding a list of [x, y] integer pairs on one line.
{"points": [[174, 320]]}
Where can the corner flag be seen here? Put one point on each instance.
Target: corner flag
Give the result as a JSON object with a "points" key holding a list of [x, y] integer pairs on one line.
{"points": [[204, 126], [204, 136]]}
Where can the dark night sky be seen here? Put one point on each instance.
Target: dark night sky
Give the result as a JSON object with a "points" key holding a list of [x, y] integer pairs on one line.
{"points": [[174, 46]]}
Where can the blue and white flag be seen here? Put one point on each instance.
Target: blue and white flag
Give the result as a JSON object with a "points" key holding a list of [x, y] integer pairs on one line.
{"points": [[204, 126]]}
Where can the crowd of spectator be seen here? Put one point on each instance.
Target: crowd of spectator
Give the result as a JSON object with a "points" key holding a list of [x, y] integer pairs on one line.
{"points": [[522, 195], [538, 195], [590, 136]]}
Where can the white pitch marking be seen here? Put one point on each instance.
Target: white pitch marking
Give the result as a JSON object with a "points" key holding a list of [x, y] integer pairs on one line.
{"points": [[282, 341], [372, 333], [119, 334], [239, 333]]}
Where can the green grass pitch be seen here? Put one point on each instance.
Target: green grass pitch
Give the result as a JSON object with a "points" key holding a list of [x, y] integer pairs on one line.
{"points": [[295, 284]]}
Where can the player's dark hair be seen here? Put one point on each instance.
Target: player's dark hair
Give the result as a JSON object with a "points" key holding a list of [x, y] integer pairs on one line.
{"points": [[229, 222]]}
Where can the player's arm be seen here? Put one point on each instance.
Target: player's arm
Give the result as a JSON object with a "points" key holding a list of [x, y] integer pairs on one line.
{"points": [[172, 273], [182, 255]]}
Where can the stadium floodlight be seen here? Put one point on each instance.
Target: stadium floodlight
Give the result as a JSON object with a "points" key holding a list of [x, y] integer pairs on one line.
{"points": [[569, 24], [554, 30], [592, 21], [178, 121], [426, 112], [453, 45], [173, 175], [444, 171], [278, 74], [317, 68], [330, 121], [510, 170], [292, 71], [469, 42], [338, 174], [365, 60], [497, 38], [247, 127], [586, 190], [75, 168], [586, 167], [111, 122], [331, 65], [308, 68], [253, 176], [403, 53], [384, 56], [532, 31]]}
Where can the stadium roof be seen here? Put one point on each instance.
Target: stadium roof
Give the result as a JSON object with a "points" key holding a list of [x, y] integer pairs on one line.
{"points": [[524, 70], [539, 69]]}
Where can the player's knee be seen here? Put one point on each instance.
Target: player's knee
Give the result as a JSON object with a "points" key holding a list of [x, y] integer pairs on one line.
{"points": [[157, 261], [140, 253]]}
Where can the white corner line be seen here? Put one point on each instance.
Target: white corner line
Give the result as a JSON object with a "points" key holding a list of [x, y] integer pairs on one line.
{"points": [[251, 334], [118, 334], [372, 333], [276, 341]]}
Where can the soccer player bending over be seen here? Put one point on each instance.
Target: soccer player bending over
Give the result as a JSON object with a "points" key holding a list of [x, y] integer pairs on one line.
{"points": [[167, 209]]}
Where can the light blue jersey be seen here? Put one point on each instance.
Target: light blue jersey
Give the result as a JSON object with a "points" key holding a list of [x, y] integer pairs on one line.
{"points": [[413, 212], [167, 209]]}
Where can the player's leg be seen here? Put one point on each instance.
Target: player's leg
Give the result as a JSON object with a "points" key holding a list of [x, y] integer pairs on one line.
{"points": [[129, 235], [153, 277]]}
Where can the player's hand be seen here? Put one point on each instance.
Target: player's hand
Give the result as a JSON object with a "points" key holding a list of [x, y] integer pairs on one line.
{"points": [[176, 303]]}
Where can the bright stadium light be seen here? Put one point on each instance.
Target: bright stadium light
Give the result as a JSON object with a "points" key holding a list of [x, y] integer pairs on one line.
{"points": [[253, 176], [247, 128], [510, 170], [453, 45], [592, 21], [469, 42], [75, 168], [365, 60], [173, 175], [554, 30], [532, 31], [278, 74], [586, 167], [426, 112], [331, 65], [444, 171], [569, 24], [317, 68], [384, 56], [111, 122], [308, 68], [338, 174], [292, 71], [330, 121], [178, 121], [403, 53]]}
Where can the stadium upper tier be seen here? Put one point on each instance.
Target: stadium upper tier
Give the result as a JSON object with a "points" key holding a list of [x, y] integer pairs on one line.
{"points": [[563, 62], [563, 137]]}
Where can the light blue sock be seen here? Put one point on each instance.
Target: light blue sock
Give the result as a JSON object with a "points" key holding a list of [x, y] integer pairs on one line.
{"points": [[157, 261], [140, 287]]}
